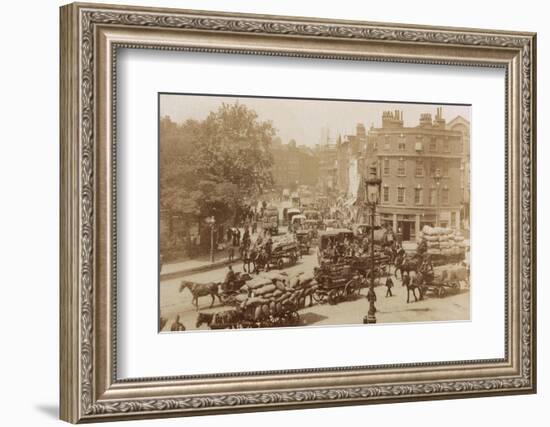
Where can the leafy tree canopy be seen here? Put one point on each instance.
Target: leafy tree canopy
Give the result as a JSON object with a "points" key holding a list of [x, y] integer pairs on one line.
{"points": [[215, 166]]}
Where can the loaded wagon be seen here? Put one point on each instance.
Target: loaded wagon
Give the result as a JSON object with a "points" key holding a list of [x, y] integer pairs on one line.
{"points": [[336, 282], [446, 281], [271, 300], [281, 256], [304, 241]]}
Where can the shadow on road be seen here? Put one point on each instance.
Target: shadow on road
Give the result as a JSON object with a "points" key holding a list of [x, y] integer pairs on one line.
{"points": [[311, 318]]}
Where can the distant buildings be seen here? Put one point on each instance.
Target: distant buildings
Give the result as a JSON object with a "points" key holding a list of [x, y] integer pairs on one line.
{"points": [[425, 171], [294, 165]]}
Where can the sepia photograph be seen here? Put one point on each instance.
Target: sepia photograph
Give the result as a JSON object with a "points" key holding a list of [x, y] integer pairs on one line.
{"points": [[278, 212]]}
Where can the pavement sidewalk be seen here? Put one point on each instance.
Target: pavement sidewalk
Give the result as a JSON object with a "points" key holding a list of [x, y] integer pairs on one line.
{"points": [[178, 269]]}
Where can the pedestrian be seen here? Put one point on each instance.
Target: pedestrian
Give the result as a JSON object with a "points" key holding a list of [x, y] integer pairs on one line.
{"points": [[229, 234], [389, 285], [238, 237], [231, 253], [371, 298], [177, 326]]}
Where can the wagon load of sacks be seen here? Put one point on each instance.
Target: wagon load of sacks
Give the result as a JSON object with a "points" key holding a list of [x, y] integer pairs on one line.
{"points": [[453, 273], [284, 242], [274, 294], [442, 241]]}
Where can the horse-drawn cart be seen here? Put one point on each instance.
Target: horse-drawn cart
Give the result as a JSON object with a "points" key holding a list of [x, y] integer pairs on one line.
{"points": [[445, 281], [336, 282], [264, 301], [281, 256]]}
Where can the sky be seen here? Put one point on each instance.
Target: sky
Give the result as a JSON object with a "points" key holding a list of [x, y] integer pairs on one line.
{"points": [[303, 120]]}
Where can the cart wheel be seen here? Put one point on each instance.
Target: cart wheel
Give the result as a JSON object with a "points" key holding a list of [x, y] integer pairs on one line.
{"points": [[441, 292], [455, 287], [280, 264], [320, 297]]}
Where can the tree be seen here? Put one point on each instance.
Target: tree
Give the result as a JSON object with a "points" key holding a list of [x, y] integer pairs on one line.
{"points": [[216, 166]]}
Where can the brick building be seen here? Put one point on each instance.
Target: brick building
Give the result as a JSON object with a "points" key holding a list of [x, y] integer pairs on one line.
{"points": [[422, 170]]}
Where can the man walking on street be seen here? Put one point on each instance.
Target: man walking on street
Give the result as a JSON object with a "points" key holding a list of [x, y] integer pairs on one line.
{"points": [[389, 285]]}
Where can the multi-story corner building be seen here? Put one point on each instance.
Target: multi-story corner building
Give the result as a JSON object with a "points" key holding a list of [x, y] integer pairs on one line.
{"points": [[422, 170]]}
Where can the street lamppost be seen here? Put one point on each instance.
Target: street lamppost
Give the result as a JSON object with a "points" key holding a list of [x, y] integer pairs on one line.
{"points": [[211, 221], [437, 179], [373, 185]]}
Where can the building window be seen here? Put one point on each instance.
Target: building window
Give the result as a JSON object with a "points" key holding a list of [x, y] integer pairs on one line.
{"points": [[445, 196], [453, 219], [387, 143], [446, 168], [433, 144], [402, 145], [401, 167], [433, 168], [419, 167], [446, 146], [386, 194], [461, 146], [386, 167], [401, 195], [418, 196], [433, 195]]}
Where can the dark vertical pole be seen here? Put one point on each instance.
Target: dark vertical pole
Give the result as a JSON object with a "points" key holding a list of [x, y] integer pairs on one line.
{"points": [[372, 242], [212, 242]]}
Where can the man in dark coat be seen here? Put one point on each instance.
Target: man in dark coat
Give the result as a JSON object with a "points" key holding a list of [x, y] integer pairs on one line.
{"points": [[389, 285], [371, 298]]}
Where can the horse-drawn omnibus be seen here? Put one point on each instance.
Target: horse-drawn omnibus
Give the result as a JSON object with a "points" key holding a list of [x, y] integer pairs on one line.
{"points": [[270, 220]]}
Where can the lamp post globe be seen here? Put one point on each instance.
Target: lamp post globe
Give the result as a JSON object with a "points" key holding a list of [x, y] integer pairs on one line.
{"points": [[211, 221]]}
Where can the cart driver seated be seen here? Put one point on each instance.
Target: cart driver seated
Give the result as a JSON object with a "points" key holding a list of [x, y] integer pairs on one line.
{"points": [[427, 268], [229, 281]]}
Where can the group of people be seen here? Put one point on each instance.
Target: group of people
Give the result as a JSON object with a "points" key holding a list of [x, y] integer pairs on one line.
{"points": [[337, 250]]}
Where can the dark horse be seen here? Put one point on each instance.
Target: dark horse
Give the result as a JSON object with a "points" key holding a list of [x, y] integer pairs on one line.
{"points": [[228, 319], [249, 260], [201, 290], [405, 265], [413, 284], [261, 260]]}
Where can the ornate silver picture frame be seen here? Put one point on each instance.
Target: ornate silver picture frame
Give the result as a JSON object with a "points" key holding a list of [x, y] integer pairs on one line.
{"points": [[91, 37]]}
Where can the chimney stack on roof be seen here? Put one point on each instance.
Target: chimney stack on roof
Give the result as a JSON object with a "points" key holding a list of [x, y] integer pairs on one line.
{"points": [[392, 119]]}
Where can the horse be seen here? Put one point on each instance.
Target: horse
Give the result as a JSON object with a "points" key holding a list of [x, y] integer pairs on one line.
{"points": [[228, 319], [248, 257], [261, 260], [201, 290], [405, 265], [415, 283]]}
